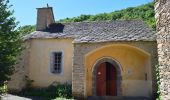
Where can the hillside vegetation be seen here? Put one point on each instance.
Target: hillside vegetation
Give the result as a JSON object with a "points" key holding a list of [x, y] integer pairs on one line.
{"points": [[144, 12]]}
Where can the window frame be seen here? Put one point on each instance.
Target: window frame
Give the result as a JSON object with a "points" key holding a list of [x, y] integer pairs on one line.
{"points": [[51, 68]]}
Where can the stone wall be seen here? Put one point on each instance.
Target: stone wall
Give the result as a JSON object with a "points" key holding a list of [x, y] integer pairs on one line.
{"points": [[162, 9], [18, 79], [81, 49]]}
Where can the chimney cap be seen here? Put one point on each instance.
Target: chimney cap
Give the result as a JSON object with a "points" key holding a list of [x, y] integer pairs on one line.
{"points": [[47, 7]]}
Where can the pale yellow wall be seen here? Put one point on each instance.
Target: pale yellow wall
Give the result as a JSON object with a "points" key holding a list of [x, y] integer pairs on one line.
{"points": [[129, 58], [39, 61]]}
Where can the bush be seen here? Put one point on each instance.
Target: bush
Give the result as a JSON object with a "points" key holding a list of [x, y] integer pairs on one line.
{"points": [[64, 90], [3, 88], [52, 92]]}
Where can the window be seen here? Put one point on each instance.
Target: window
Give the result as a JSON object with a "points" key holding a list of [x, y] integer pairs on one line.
{"points": [[56, 66]]}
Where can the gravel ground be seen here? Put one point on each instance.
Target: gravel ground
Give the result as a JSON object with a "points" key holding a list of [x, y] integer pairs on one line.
{"points": [[15, 97]]}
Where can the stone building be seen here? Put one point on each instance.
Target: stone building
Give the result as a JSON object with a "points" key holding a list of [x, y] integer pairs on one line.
{"points": [[105, 58], [162, 9]]}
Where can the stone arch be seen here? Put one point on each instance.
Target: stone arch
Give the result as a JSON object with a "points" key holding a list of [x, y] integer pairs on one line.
{"points": [[118, 67], [117, 54], [119, 45]]}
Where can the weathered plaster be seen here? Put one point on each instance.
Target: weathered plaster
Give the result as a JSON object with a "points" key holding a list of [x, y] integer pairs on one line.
{"points": [[39, 61]]}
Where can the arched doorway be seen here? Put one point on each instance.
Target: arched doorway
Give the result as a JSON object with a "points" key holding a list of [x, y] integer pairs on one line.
{"points": [[106, 78]]}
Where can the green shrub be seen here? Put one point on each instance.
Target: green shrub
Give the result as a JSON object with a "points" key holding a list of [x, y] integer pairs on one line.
{"points": [[64, 90], [52, 92], [3, 88]]}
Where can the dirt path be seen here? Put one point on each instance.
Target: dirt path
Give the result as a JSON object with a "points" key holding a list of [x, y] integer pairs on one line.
{"points": [[15, 97]]}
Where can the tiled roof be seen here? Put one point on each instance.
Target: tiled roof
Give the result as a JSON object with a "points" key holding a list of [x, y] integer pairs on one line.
{"points": [[119, 30]]}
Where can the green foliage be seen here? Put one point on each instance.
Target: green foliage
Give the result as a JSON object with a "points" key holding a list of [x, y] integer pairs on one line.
{"points": [[27, 29], [52, 92], [40, 92], [3, 88], [143, 12], [76, 19], [64, 90], [10, 42]]}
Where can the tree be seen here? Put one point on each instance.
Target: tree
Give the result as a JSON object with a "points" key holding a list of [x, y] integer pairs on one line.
{"points": [[144, 12], [27, 29], [10, 41]]}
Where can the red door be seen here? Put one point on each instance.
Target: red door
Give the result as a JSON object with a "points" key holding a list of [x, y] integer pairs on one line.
{"points": [[106, 80], [101, 80], [111, 88]]}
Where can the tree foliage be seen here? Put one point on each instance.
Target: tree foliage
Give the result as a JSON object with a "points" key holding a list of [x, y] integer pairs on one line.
{"points": [[10, 41], [24, 30], [143, 12]]}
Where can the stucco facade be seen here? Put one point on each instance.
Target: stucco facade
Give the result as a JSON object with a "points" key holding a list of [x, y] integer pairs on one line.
{"points": [[39, 61], [135, 58], [34, 64]]}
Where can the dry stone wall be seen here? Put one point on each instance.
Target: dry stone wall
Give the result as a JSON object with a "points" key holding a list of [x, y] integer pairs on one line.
{"points": [[162, 9]]}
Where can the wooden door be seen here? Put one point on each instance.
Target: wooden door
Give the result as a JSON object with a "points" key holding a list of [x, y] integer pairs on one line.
{"points": [[101, 80], [106, 80], [111, 77]]}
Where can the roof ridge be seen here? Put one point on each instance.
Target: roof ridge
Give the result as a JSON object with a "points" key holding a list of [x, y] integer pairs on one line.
{"points": [[132, 20]]}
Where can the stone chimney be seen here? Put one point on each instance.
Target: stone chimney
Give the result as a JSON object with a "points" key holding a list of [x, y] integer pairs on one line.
{"points": [[45, 17]]}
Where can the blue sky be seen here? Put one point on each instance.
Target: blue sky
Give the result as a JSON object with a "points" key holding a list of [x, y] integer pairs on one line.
{"points": [[25, 10]]}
